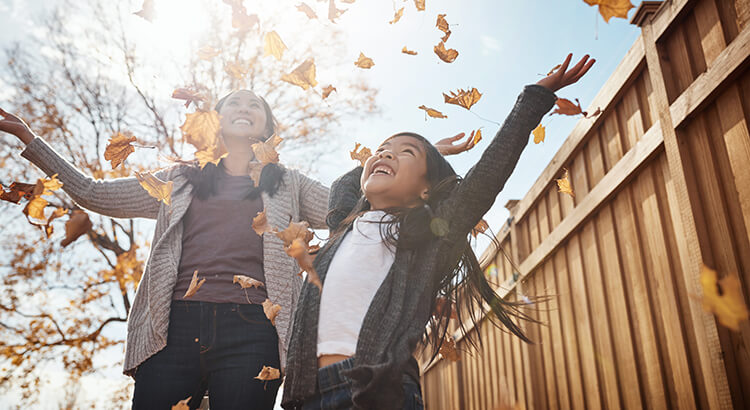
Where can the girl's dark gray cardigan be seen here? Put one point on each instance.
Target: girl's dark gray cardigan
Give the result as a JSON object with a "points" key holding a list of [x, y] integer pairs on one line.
{"points": [[396, 319]]}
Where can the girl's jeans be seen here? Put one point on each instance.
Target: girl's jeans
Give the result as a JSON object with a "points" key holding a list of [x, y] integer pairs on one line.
{"points": [[335, 390], [216, 346]]}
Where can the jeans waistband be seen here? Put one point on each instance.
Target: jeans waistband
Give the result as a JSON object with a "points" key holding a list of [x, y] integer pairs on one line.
{"points": [[330, 377]]}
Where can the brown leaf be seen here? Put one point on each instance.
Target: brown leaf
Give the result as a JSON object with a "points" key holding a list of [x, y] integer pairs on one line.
{"points": [[723, 298], [328, 90], [539, 134], [189, 95], [182, 404], [118, 149], [16, 191], [247, 282], [260, 223], [273, 46], [447, 55], [147, 11], [303, 7], [448, 349], [207, 52], [612, 8], [295, 230], [268, 373], [364, 62], [442, 25], [156, 187], [463, 98], [201, 129], [303, 75], [305, 257], [441, 305], [432, 112], [566, 107], [78, 224], [333, 12], [195, 284], [563, 184], [481, 227], [397, 16], [360, 155], [255, 169], [419, 4], [409, 52], [271, 310], [265, 151], [476, 136]]}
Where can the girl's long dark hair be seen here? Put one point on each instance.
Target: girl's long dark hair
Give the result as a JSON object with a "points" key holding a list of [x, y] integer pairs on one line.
{"points": [[204, 179], [463, 282]]}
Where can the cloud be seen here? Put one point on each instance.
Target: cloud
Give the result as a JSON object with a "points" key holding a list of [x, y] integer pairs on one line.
{"points": [[489, 45]]}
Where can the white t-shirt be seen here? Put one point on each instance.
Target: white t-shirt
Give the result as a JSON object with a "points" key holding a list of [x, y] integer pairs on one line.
{"points": [[357, 270]]}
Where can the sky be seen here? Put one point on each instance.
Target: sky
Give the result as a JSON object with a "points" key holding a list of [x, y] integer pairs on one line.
{"points": [[503, 45]]}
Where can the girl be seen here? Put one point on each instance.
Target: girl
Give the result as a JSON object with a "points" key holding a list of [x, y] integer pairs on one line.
{"points": [[402, 244]]}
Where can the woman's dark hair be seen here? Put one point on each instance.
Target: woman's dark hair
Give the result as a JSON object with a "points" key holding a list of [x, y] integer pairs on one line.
{"points": [[204, 179], [464, 283]]}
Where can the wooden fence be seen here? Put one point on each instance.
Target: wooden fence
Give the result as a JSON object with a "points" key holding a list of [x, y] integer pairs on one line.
{"points": [[662, 185]]}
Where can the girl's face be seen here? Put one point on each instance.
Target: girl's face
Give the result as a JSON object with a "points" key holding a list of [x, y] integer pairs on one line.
{"points": [[396, 175], [243, 118]]}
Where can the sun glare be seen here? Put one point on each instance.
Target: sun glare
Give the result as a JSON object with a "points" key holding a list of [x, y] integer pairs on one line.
{"points": [[175, 26]]}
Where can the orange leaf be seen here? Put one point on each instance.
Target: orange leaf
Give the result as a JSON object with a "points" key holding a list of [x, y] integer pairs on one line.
{"points": [[442, 25], [260, 223], [419, 4], [328, 90], [78, 224], [207, 52], [247, 282], [432, 112], [265, 151], [295, 230], [463, 98], [723, 298], [539, 134], [189, 95], [118, 149], [305, 257], [271, 310], [397, 16], [195, 284], [448, 349], [272, 45], [477, 137], [268, 373], [481, 227], [201, 129], [236, 70], [612, 8], [182, 404], [566, 107], [360, 155], [563, 184], [307, 10], [156, 187], [303, 75], [364, 62], [447, 55], [147, 11], [409, 52]]}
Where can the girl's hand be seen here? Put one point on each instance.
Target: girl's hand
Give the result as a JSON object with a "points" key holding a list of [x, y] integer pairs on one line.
{"points": [[446, 147], [563, 77], [13, 125]]}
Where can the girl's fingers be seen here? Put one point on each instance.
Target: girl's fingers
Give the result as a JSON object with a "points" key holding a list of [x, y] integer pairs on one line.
{"points": [[457, 136], [565, 63]]}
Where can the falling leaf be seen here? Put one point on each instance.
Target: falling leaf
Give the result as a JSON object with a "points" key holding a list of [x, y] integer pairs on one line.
{"points": [[268, 373], [182, 404], [305, 256], [35, 208], [481, 227], [539, 134], [419, 4], [442, 25], [432, 112], [78, 224], [409, 52], [236, 70], [563, 184], [360, 155], [156, 187], [476, 136], [118, 149], [295, 230], [201, 129], [447, 55], [273, 46], [553, 69], [397, 16], [57, 213], [441, 305], [723, 298], [265, 151], [212, 155], [195, 284], [247, 282], [260, 223], [328, 90], [207, 52], [303, 75], [43, 187], [241, 20], [189, 95], [364, 62], [463, 98], [612, 8], [566, 107], [271, 310], [147, 11], [307, 10], [333, 12], [448, 349], [17, 190], [255, 169]]}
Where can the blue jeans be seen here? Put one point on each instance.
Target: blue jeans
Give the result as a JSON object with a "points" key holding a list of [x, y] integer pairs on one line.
{"points": [[216, 346], [335, 390]]}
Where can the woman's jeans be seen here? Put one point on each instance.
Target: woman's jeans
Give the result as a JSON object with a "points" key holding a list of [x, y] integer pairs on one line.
{"points": [[335, 390], [216, 346]]}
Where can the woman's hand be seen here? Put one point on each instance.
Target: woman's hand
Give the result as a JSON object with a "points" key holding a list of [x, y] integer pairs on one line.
{"points": [[446, 147], [12, 124], [563, 77]]}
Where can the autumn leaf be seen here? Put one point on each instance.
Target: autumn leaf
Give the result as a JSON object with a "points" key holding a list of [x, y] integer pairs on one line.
{"points": [[364, 62], [57, 213], [539, 134], [189, 95], [118, 149], [147, 11], [442, 25], [723, 298], [476, 136], [612, 8], [448, 349], [305, 256], [566, 107], [481, 227], [333, 12], [553, 69], [16, 191], [303, 75], [45, 186], [463, 98], [195, 284], [207, 52], [397, 16], [432, 112], [271, 310], [78, 224], [295, 230], [419, 4], [255, 169], [273, 46], [35, 207], [265, 151], [201, 128], [441, 305], [447, 55], [155, 187], [307, 10], [360, 155], [213, 155], [247, 282], [182, 404], [327, 90], [241, 20], [563, 184], [409, 52], [268, 373], [260, 223], [236, 70]]}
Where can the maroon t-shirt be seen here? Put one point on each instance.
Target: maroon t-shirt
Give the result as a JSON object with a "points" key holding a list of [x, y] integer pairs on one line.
{"points": [[218, 240]]}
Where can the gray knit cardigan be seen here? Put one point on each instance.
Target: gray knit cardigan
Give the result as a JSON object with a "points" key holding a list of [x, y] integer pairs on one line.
{"points": [[299, 198], [396, 319]]}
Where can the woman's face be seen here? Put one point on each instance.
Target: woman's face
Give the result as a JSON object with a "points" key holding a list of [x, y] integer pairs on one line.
{"points": [[243, 117]]}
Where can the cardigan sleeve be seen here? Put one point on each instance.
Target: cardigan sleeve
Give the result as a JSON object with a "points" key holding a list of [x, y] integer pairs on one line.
{"points": [[345, 193], [313, 200], [117, 198]]}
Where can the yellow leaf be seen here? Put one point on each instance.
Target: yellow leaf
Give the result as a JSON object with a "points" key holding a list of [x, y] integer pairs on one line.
{"points": [[397, 16], [207, 52], [409, 52], [265, 151], [236, 70], [213, 154], [447, 55], [723, 298], [432, 112], [360, 155], [45, 186], [268, 373], [612, 8], [260, 223], [463, 98], [303, 75], [247, 282], [182, 404], [271, 310], [272, 45], [201, 129], [539, 134], [419, 4], [477, 137], [563, 184], [363, 61], [118, 149], [328, 90], [156, 187], [35, 208], [195, 284], [442, 25]]}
